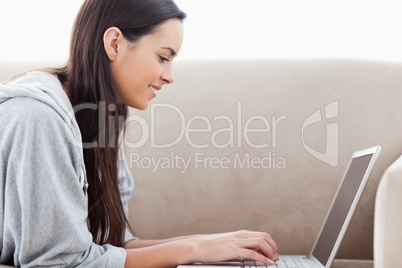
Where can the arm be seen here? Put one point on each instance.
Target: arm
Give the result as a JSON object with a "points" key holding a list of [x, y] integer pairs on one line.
{"points": [[141, 243], [126, 187], [201, 248]]}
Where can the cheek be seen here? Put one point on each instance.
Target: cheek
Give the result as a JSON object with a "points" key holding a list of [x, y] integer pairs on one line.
{"points": [[152, 71], [134, 74], [124, 74]]}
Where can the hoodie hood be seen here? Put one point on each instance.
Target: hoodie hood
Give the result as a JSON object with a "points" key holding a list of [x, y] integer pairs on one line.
{"points": [[38, 85], [46, 88]]}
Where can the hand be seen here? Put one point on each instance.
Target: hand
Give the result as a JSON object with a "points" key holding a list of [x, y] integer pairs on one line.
{"points": [[258, 246]]}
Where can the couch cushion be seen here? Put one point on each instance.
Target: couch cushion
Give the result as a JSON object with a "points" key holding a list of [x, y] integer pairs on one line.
{"points": [[388, 218]]}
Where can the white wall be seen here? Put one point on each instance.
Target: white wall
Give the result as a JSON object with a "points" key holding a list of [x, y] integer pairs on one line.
{"points": [[368, 29], [36, 29]]}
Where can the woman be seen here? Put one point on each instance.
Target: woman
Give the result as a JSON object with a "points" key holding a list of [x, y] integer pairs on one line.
{"points": [[65, 191]]}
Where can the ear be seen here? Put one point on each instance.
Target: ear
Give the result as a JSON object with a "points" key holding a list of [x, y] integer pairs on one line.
{"points": [[112, 40]]}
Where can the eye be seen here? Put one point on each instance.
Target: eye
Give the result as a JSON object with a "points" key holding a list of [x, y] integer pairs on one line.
{"points": [[163, 59]]}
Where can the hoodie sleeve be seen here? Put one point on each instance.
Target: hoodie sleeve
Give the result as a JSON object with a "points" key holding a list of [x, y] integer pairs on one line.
{"points": [[44, 207], [126, 185]]}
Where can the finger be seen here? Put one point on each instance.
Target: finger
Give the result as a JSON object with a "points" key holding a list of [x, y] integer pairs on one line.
{"points": [[267, 237], [274, 259], [272, 243], [254, 255], [266, 250], [258, 244]]}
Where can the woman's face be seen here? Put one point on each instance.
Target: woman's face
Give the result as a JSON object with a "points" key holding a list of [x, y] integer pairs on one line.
{"points": [[141, 69]]}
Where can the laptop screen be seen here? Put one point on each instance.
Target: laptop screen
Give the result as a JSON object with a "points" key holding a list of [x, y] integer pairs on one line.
{"points": [[340, 207]]}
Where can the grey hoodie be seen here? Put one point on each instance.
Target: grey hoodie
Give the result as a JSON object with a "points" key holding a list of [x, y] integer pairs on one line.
{"points": [[43, 207]]}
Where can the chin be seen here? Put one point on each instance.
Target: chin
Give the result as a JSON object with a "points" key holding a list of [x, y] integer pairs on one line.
{"points": [[139, 106]]}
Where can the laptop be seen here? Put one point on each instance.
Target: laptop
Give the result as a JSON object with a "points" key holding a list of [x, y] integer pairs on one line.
{"points": [[336, 222]]}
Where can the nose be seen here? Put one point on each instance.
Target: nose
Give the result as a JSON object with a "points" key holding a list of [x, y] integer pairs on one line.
{"points": [[167, 75]]}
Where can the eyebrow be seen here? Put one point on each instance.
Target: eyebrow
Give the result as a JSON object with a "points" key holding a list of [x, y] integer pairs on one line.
{"points": [[172, 52]]}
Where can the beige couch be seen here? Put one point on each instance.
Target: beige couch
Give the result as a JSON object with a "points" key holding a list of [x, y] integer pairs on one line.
{"points": [[388, 218], [261, 145]]}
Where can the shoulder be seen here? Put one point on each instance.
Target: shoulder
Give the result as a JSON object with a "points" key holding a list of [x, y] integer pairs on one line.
{"points": [[27, 112], [37, 98], [36, 131], [40, 86], [32, 123]]}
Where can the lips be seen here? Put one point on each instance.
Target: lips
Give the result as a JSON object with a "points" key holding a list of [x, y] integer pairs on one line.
{"points": [[154, 89]]}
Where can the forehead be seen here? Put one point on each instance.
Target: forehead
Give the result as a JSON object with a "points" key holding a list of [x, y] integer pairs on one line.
{"points": [[168, 34]]}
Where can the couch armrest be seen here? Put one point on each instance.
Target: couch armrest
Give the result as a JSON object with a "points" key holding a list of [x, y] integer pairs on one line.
{"points": [[388, 218]]}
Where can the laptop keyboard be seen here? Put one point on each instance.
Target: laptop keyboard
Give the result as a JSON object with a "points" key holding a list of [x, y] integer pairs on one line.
{"points": [[283, 262]]}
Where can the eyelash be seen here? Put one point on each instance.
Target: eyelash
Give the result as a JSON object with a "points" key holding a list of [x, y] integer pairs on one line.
{"points": [[163, 59]]}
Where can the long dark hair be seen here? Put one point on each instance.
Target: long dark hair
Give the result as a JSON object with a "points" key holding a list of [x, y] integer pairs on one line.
{"points": [[88, 79]]}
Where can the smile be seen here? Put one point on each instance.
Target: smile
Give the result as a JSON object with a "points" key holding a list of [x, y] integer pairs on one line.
{"points": [[152, 89]]}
